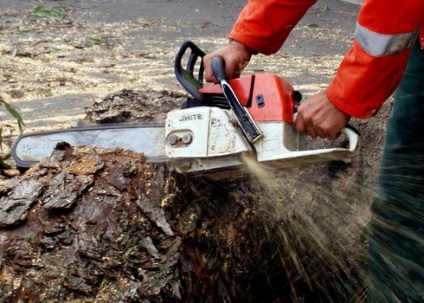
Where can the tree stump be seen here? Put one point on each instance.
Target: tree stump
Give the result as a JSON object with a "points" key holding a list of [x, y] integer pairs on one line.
{"points": [[103, 225]]}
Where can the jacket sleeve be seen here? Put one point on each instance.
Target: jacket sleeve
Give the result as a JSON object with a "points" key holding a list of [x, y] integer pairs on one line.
{"points": [[263, 25], [370, 72]]}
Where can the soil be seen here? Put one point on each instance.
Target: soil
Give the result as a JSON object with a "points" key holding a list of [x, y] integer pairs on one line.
{"points": [[65, 70]]}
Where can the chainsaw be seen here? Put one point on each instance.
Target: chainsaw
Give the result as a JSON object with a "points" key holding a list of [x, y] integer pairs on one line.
{"points": [[213, 131]]}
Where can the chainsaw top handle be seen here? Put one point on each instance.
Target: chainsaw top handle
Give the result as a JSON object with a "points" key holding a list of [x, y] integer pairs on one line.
{"points": [[247, 124], [218, 68], [190, 76]]}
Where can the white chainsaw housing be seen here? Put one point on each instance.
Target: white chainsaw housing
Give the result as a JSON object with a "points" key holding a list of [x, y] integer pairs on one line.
{"points": [[209, 139], [204, 138]]}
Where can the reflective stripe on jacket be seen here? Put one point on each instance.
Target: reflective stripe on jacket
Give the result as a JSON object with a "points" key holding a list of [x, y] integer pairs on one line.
{"points": [[370, 71]]}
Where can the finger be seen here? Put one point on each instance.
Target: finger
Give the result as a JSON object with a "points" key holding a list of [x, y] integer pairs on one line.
{"points": [[299, 124], [320, 133], [209, 76], [333, 136], [235, 74], [303, 127], [310, 130]]}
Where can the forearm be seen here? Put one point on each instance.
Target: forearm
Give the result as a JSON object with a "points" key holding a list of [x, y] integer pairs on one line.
{"points": [[263, 26]]}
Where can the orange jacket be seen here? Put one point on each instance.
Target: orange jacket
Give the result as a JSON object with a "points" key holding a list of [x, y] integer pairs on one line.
{"points": [[370, 71]]}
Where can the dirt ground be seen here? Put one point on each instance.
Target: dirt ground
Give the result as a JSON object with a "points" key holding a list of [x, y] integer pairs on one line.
{"points": [[58, 57]]}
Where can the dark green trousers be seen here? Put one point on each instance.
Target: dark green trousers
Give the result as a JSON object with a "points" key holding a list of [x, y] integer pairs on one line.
{"points": [[396, 269]]}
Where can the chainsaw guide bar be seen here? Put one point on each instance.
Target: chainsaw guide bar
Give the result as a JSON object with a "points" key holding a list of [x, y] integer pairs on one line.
{"points": [[29, 149]]}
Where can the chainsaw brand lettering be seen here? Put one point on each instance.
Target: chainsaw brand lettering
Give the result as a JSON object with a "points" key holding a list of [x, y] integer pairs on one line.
{"points": [[191, 117]]}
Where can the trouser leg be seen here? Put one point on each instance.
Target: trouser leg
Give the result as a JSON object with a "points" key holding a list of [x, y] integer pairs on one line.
{"points": [[396, 269]]}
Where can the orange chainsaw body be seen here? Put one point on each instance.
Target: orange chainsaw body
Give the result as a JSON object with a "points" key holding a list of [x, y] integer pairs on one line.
{"points": [[267, 97]]}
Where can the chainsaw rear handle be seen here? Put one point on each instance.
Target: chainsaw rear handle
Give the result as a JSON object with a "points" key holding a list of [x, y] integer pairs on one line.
{"points": [[352, 135], [349, 131], [190, 77]]}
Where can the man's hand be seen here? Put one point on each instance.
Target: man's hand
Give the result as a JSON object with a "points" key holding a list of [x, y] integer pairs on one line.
{"points": [[317, 116], [236, 56]]}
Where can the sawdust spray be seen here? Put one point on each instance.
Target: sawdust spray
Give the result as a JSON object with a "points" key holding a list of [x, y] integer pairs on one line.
{"points": [[304, 248]]}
